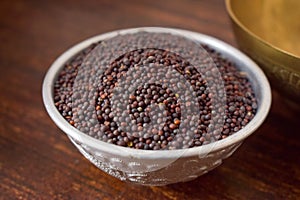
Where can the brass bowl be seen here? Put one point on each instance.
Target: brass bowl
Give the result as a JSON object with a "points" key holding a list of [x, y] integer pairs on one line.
{"points": [[269, 32]]}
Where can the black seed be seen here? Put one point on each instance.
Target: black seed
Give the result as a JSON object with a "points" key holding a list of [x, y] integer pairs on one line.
{"points": [[146, 119]]}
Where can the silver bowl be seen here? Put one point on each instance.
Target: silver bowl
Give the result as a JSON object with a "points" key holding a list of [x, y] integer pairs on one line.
{"points": [[149, 167]]}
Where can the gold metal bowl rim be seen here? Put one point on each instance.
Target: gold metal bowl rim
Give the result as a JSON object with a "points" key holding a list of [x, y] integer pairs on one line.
{"points": [[240, 24]]}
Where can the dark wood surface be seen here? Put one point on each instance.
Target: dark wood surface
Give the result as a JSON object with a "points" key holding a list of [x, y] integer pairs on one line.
{"points": [[37, 161]]}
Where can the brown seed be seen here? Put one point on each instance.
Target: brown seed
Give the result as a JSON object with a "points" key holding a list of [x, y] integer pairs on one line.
{"points": [[172, 126], [176, 121], [103, 96]]}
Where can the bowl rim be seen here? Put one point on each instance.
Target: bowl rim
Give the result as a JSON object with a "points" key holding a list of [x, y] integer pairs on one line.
{"points": [[47, 94], [232, 15]]}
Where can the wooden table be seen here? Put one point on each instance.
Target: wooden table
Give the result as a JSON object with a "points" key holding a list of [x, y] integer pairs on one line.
{"points": [[37, 161]]}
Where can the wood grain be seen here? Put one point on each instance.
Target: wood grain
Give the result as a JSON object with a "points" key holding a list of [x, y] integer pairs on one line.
{"points": [[37, 161]]}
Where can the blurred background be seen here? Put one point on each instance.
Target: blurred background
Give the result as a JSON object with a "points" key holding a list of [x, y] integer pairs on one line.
{"points": [[38, 162]]}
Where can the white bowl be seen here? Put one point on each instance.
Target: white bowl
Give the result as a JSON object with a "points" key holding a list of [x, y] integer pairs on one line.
{"points": [[166, 166]]}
